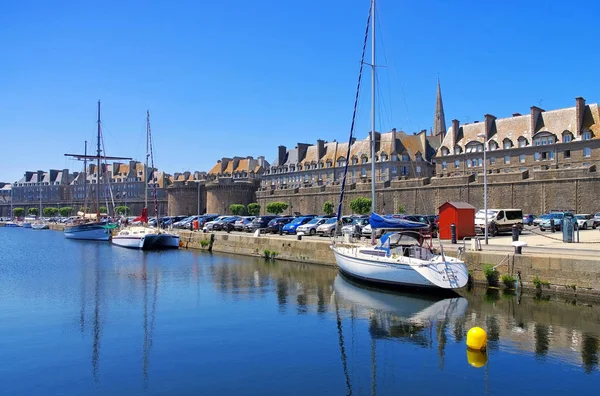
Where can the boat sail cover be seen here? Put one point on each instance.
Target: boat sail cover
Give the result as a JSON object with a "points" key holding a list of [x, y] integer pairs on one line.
{"points": [[378, 221], [143, 217]]}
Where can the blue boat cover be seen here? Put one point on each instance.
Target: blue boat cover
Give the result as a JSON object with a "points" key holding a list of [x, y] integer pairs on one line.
{"points": [[378, 221]]}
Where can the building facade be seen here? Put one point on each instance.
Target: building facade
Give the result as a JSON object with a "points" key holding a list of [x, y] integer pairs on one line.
{"points": [[540, 140], [397, 156]]}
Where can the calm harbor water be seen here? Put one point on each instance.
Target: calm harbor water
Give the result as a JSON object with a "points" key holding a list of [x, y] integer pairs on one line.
{"points": [[81, 318]]}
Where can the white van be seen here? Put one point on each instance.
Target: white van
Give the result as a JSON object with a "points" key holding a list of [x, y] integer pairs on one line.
{"points": [[499, 220]]}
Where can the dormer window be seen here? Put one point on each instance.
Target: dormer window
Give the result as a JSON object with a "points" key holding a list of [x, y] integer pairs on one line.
{"points": [[506, 144], [364, 160], [445, 151], [522, 142], [493, 145], [418, 157], [457, 150], [384, 157], [587, 136], [354, 161], [567, 137], [329, 163], [405, 157]]}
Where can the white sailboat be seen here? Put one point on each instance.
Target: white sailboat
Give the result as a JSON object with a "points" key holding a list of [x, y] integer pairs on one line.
{"points": [[11, 223], [402, 258], [40, 224], [144, 237], [90, 226]]}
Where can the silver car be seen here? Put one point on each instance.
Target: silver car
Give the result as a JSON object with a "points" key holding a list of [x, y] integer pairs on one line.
{"points": [[585, 221], [311, 227]]}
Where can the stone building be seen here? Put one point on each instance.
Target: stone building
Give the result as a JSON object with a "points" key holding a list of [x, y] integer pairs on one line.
{"points": [[398, 155], [52, 187], [5, 199], [187, 194], [540, 140]]}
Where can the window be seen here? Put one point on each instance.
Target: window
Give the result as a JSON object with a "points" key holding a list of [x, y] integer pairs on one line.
{"points": [[544, 140], [418, 169], [522, 158], [445, 151], [567, 153], [329, 164], [536, 156], [405, 168], [507, 144], [522, 142], [354, 161], [418, 157], [457, 164], [544, 156], [384, 157], [587, 152], [469, 164], [363, 160], [479, 161], [587, 135], [492, 160], [363, 172], [507, 159], [550, 155], [404, 157], [457, 150], [567, 137], [394, 169], [493, 145]]}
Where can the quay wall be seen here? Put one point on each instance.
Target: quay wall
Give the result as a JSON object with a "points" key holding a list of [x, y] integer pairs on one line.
{"points": [[566, 275]]}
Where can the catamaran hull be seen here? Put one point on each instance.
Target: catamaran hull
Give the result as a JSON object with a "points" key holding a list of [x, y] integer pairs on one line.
{"points": [[147, 242], [92, 232], [40, 226], [26, 225], [418, 273]]}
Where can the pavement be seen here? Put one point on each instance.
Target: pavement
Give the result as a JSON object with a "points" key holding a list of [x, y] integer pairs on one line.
{"points": [[542, 242]]}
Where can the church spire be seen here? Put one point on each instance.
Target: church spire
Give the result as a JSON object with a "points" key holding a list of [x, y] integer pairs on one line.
{"points": [[439, 123]]}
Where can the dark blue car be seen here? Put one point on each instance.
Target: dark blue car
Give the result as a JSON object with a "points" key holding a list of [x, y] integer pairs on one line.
{"points": [[290, 228]]}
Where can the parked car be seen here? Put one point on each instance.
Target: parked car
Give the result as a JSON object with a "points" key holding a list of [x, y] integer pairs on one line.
{"points": [[183, 223], [425, 219], [558, 219], [226, 223], [539, 219], [585, 221], [242, 222], [260, 223], [360, 221], [327, 228], [597, 219], [311, 226], [208, 226], [290, 228], [275, 224], [528, 219], [205, 219], [498, 220]]}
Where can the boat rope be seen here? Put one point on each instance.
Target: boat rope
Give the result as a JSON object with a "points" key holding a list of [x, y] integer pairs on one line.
{"points": [[353, 123]]}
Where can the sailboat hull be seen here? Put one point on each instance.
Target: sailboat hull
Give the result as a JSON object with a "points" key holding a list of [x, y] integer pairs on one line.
{"points": [[40, 226], [147, 241], [89, 232], [405, 272]]}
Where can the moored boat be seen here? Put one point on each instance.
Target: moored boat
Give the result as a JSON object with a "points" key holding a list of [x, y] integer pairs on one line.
{"points": [[401, 258]]}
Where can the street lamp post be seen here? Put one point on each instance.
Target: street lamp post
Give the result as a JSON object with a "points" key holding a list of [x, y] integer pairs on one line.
{"points": [[485, 200]]}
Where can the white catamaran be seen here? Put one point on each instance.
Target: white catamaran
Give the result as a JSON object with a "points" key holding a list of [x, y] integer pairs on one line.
{"points": [[405, 256], [142, 236]]}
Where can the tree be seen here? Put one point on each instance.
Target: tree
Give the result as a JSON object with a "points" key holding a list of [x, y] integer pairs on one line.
{"points": [[328, 208], [103, 209], [84, 209], [401, 209], [33, 211], [65, 211], [237, 209], [122, 210], [50, 212], [361, 205], [18, 212], [253, 209], [276, 207]]}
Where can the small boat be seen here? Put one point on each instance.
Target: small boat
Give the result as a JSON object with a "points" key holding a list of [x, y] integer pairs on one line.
{"points": [[27, 222], [92, 231], [40, 225], [11, 224], [142, 236], [401, 258]]}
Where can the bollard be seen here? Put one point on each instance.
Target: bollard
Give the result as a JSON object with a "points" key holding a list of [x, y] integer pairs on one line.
{"points": [[518, 249], [228, 226], [280, 229], [515, 233], [552, 225], [299, 237], [453, 233]]}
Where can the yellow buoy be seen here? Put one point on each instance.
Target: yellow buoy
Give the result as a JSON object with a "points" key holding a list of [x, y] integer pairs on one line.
{"points": [[476, 338], [475, 358]]}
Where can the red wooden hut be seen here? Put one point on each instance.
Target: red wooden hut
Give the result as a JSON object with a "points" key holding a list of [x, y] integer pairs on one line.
{"points": [[460, 213]]}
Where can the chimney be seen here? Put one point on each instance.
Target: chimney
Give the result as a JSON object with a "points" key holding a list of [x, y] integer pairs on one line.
{"points": [[423, 139], [394, 143], [320, 149], [535, 114], [475, 122], [261, 161], [302, 149], [579, 112], [281, 150], [516, 114], [455, 127], [489, 125]]}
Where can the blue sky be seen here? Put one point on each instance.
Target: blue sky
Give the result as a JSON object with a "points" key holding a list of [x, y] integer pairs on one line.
{"points": [[225, 78]]}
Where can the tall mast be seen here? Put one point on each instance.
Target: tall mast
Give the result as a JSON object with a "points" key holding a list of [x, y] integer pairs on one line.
{"points": [[85, 180], [98, 169], [373, 107], [147, 156]]}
